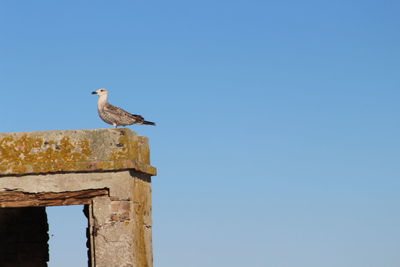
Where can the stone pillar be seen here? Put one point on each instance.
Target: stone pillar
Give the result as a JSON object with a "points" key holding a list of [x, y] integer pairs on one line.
{"points": [[107, 170]]}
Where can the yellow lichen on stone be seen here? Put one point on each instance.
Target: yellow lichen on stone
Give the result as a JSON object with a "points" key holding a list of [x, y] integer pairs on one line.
{"points": [[32, 154], [128, 151], [69, 151], [142, 225]]}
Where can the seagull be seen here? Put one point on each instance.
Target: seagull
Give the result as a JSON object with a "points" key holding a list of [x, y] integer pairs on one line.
{"points": [[114, 115]]}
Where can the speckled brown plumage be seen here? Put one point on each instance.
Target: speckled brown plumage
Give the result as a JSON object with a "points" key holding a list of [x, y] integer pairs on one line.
{"points": [[114, 115]]}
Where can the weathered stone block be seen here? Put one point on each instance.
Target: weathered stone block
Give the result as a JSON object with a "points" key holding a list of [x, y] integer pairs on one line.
{"points": [[106, 170], [73, 151]]}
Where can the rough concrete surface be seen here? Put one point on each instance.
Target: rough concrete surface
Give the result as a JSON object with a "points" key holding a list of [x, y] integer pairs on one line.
{"points": [[73, 151], [116, 162]]}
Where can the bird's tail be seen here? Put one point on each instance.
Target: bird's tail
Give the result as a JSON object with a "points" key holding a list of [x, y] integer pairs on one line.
{"points": [[149, 123]]}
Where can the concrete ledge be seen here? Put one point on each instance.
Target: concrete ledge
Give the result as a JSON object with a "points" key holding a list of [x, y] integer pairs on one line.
{"points": [[74, 151]]}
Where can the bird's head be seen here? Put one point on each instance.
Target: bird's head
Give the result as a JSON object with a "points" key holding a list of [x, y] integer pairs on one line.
{"points": [[100, 92]]}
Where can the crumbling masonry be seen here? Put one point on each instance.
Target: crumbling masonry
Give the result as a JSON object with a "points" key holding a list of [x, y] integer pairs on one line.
{"points": [[107, 170]]}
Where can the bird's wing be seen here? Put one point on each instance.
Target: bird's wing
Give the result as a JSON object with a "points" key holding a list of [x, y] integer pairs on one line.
{"points": [[111, 109]]}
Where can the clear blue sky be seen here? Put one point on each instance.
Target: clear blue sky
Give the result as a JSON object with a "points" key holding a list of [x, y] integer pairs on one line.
{"points": [[277, 137]]}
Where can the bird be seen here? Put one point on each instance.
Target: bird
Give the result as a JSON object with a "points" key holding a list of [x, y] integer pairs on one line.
{"points": [[114, 115]]}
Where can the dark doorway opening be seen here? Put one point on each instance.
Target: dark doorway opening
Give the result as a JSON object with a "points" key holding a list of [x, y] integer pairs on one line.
{"points": [[23, 237]]}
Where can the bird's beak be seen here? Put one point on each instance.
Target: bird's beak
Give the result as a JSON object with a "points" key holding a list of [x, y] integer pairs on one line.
{"points": [[94, 93]]}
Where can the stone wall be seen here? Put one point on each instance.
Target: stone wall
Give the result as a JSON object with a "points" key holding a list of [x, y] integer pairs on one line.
{"points": [[108, 171]]}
